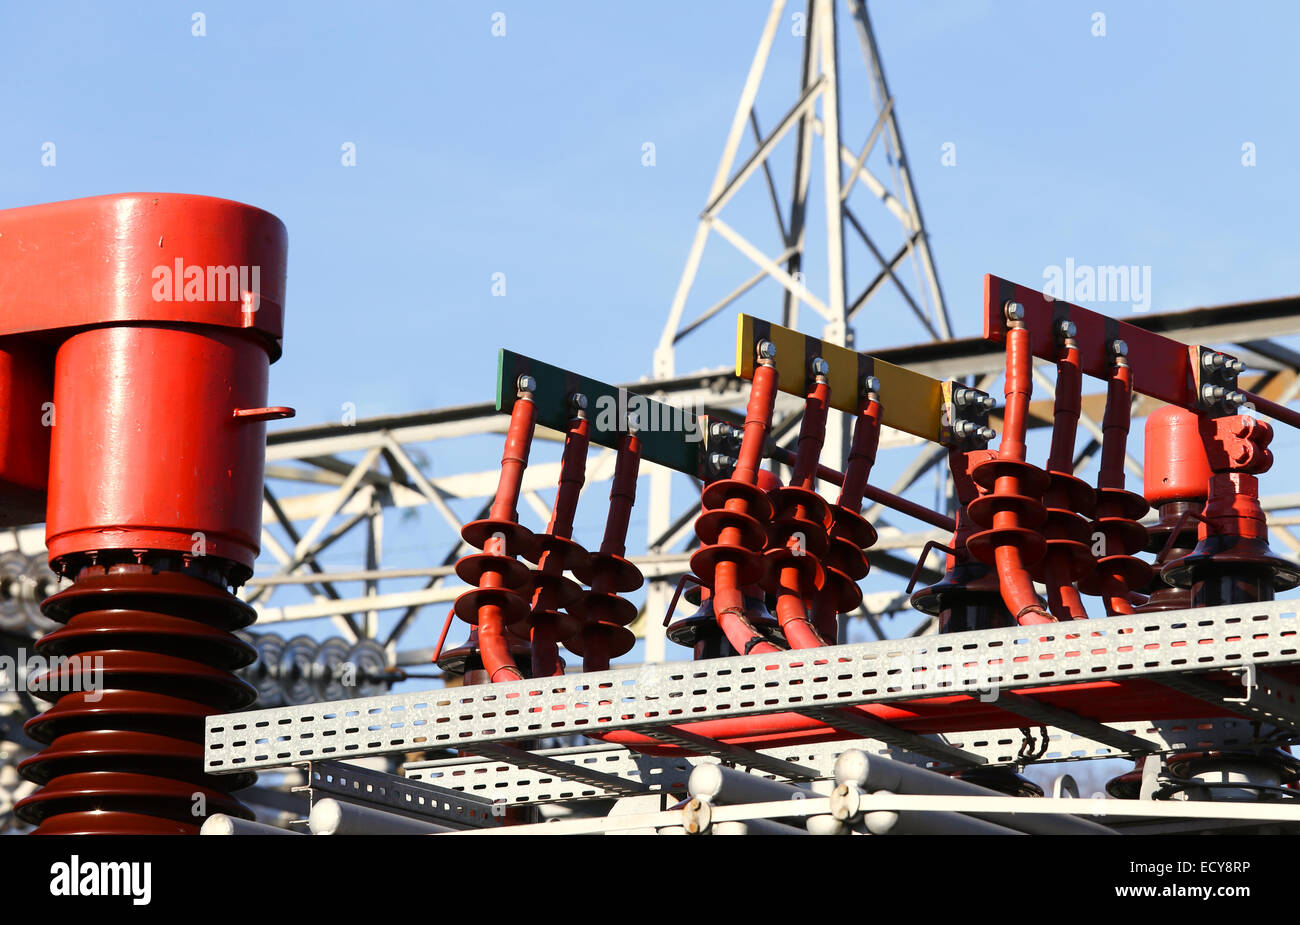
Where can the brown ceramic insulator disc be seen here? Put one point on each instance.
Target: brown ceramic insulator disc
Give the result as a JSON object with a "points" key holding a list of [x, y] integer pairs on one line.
{"points": [[1031, 544], [811, 576], [514, 607], [472, 568], [710, 524], [519, 540], [144, 657], [1032, 480], [595, 607], [717, 494], [610, 573], [1029, 511], [618, 639], [749, 565], [852, 526], [549, 546]]}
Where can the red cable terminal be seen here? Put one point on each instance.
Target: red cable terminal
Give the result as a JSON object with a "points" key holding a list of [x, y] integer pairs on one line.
{"points": [[501, 580], [1067, 498], [1118, 532], [734, 512], [605, 615], [556, 552], [799, 532], [1012, 510]]}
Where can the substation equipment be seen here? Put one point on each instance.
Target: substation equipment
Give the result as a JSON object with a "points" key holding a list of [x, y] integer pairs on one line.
{"points": [[1057, 641]]}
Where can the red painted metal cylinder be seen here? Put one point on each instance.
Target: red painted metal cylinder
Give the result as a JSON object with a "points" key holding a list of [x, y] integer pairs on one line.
{"points": [[1175, 464], [146, 322], [146, 449]]}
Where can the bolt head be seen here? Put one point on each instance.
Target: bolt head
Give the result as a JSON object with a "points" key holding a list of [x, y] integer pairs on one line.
{"points": [[1212, 393], [1235, 366], [766, 350], [989, 402], [578, 401], [1015, 311], [987, 433], [1119, 348], [527, 384], [1212, 360], [820, 367], [871, 384], [1067, 328]]}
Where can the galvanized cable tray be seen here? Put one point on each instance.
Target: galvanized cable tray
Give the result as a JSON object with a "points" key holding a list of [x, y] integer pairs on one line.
{"points": [[504, 781], [969, 667]]}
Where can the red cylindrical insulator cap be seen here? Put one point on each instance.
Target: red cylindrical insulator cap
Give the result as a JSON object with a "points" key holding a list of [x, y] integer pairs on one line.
{"points": [[1175, 464], [767, 480], [146, 449]]}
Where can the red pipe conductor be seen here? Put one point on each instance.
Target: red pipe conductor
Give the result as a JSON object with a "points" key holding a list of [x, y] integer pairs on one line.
{"points": [[499, 578], [141, 328], [1067, 497], [604, 634], [733, 513], [1012, 510], [1118, 569], [799, 532], [556, 552]]}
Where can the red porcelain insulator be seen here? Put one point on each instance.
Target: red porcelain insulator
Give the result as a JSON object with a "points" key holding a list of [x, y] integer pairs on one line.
{"points": [[145, 654], [1012, 511], [1117, 535], [732, 524], [500, 580], [605, 615]]}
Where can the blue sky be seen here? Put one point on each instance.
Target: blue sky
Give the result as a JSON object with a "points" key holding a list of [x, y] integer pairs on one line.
{"points": [[522, 154]]}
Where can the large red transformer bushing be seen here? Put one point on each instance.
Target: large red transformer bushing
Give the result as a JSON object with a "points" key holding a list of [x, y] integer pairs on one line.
{"points": [[136, 332]]}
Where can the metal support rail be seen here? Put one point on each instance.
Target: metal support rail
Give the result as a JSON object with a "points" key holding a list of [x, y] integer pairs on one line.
{"points": [[398, 795], [1179, 643], [699, 816]]}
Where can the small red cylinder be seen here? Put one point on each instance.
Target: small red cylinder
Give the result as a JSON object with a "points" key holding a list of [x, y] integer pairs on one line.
{"points": [[146, 450], [1175, 464]]}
